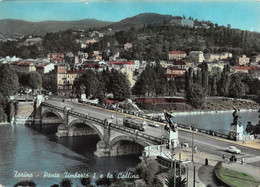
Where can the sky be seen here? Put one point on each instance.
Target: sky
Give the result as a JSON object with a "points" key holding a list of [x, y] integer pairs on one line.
{"points": [[242, 14]]}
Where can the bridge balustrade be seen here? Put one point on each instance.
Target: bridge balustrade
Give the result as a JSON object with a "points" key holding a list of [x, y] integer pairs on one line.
{"points": [[114, 126]]}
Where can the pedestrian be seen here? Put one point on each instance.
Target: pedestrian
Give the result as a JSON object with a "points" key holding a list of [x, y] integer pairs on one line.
{"points": [[224, 157], [242, 160], [244, 142]]}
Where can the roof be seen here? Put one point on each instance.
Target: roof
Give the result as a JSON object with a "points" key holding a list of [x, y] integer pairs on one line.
{"points": [[75, 72], [57, 59], [122, 63], [43, 65], [24, 63], [92, 66], [173, 75], [180, 63], [196, 52], [243, 67], [175, 68], [176, 52]]}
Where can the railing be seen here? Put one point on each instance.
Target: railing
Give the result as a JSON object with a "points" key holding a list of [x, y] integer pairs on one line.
{"points": [[112, 125], [133, 131]]}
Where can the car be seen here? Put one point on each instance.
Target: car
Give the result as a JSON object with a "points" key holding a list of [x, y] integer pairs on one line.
{"points": [[153, 124], [233, 149]]}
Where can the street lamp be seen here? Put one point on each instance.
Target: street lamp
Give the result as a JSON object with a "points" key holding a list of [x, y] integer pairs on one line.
{"points": [[193, 128]]}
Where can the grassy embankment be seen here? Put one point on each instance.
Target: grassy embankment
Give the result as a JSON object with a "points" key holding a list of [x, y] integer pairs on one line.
{"points": [[234, 178], [209, 105]]}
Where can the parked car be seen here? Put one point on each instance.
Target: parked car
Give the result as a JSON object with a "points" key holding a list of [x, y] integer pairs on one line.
{"points": [[153, 124], [233, 149]]}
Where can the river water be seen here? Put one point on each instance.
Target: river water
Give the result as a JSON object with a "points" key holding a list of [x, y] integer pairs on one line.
{"points": [[36, 152], [217, 121]]}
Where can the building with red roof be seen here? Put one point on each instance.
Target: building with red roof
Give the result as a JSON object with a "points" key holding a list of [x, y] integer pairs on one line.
{"points": [[242, 69], [176, 55], [131, 65], [60, 80], [24, 66], [173, 72]]}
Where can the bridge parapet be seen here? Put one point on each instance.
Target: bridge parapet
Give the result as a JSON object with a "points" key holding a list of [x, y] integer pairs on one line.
{"points": [[109, 133]]}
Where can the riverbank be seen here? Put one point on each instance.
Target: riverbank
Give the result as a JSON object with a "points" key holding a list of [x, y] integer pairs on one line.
{"points": [[210, 105]]}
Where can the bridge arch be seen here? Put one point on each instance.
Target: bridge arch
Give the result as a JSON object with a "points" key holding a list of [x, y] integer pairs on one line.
{"points": [[48, 111], [124, 145], [127, 138], [87, 123]]}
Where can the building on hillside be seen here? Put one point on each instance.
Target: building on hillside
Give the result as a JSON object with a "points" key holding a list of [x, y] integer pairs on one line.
{"points": [[92, 41], [60, 80], [173, 72], [44, 68], [242, 60], [255, 72], [94, 67], [225, 55], [242, 69], [128, 46], [176, 55], [256, 59], [123, 64], [197, 56], [33, 41], [211, 57], [24, 66], [129, 74], [182, 22], [55, 55]]}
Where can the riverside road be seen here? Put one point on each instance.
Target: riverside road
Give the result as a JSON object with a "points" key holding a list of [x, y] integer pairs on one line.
{"points": [[203, 142]]}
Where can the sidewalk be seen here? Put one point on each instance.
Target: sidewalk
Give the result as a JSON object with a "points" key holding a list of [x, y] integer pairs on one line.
{"points": [[254, 144], [203, 173]]}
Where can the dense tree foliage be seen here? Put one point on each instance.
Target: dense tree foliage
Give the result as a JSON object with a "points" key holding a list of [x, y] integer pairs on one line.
{"points": [[152, 81], [154, 41], [8, 80], [195, 95], [61, 42], [97, 84], [31, 80], [253, 129], [147, 171]]}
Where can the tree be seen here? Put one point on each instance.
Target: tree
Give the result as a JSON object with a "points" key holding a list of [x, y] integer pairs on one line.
{"points": [[65, 183], [34, 80], [148, 171], [25, 183], [120, 86], [179, 182], [250, 129], [103, 181], [195, 95], [172, 89], [3, 116], [85, 181], [237, 88], [8, 80]]}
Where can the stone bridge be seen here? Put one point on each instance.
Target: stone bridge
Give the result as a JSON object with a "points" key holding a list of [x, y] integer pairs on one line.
{"points": [[114, 139]]}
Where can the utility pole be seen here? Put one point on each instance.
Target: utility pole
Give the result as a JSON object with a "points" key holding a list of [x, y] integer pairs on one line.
{"points": [[175, 173], [193, 128], [194, 181], [192, 145], [180, 164], [187, 174]]}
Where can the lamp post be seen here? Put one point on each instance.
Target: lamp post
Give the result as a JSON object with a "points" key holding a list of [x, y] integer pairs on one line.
{"points": [[116, 112], [193, 128]]}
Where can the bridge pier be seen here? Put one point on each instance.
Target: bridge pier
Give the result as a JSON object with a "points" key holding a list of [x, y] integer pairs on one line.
{"points": [[103, 150], [115, 139], [62, 131]]}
